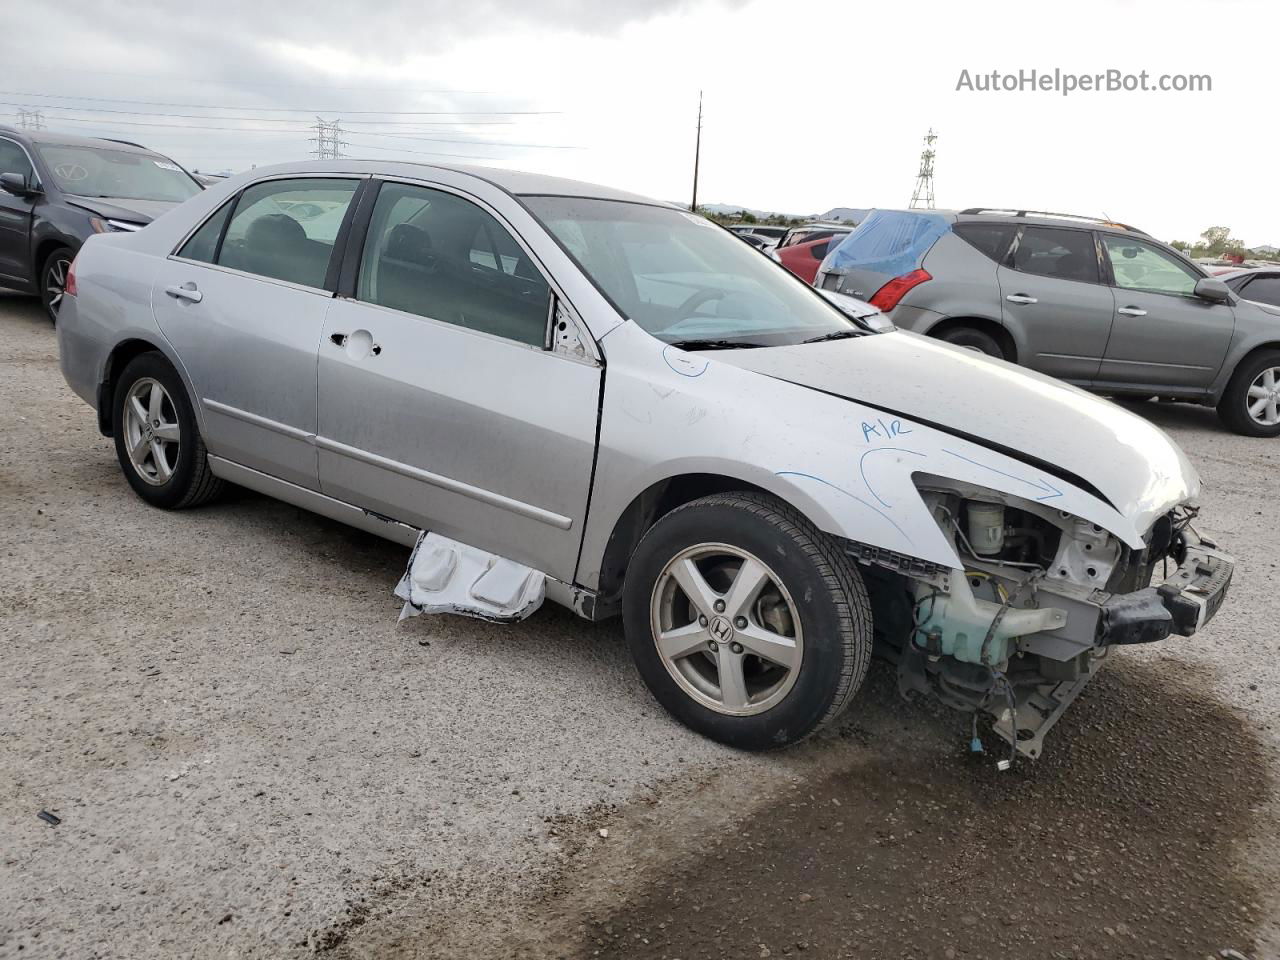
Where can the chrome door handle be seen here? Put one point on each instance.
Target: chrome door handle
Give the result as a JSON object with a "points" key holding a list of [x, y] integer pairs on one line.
{"points": [[1132, 311], [186, 292], [1021, 298]]}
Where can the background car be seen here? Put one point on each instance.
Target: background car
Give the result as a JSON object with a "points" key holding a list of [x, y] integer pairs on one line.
{"points": [[56, 190], [804, 258], [768, 234], [1097, 303], [1261, 284], [813, 231]]}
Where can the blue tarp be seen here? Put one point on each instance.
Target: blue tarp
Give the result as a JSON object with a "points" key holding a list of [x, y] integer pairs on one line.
{"points": [[891, 242]]}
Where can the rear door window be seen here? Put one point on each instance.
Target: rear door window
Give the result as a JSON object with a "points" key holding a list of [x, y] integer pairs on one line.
{"points": [[1263, 289], [1057, 253], [990, 238], [286, 229]]}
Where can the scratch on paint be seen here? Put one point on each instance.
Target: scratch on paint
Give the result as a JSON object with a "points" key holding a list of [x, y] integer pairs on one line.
{"points": [[683, 364], [869, 506]]}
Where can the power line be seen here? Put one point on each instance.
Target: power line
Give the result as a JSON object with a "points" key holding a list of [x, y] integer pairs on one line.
{"points": [[210, 106], [697, 155], [328, 140], [922, 196], [30, 119]]}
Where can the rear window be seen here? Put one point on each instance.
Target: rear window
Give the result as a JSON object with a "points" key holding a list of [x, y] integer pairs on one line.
{"points": [[990, 238], [892, 242]]}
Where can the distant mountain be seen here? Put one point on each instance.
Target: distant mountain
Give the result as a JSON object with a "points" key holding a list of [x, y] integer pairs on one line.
{"points": [[851, 214], [727, 208]]}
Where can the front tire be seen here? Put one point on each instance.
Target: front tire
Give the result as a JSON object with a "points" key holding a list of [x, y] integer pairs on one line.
{"points": [[745, 621], [1251, 403], [53, 280], [157, 441]]}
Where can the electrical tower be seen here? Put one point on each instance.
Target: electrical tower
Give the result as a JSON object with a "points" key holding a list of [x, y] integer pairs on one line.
{"points": [[30, 119], [922, 196], [328, 140]]}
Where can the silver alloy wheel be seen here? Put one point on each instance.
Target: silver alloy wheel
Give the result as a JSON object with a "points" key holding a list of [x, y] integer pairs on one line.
{"points": [[1264, 397], [56, 284], [726, 629], [151, 432]]}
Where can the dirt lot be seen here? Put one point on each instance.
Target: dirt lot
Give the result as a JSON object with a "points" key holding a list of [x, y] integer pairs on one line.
{"points": [[251, 759]]}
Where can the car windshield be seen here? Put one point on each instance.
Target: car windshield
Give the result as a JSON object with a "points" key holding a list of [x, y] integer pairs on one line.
{"points": [[685, 280], [119, 174]]}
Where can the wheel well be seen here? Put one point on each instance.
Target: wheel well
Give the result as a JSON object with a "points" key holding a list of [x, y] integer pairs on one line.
{"points": [[46, 247], [989, 327], [116, 362], [645, 510], [1260, 348]]}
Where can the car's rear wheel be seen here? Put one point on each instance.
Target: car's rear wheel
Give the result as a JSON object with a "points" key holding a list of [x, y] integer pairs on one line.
{"points": [[746, 622], [53, 280], [157, 441], [973, 339], [1251, 403]]}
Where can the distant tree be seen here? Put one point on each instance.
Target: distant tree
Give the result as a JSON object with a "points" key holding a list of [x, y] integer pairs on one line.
{"points": [[746, 216], [1215, 241]]}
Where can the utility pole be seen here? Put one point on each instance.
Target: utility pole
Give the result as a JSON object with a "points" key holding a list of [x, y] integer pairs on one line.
{"points": [[697, 152], [30, 119], [922, 196]]}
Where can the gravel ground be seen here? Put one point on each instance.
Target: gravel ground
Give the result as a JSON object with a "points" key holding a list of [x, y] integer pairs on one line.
{"points": [[252, 759]]}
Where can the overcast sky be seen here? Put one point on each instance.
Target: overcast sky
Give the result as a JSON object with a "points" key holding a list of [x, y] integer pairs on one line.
{"points": [[807, 106]]}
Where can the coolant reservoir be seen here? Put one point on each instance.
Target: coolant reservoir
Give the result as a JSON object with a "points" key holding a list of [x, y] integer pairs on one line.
{"points": [[986, 528]]}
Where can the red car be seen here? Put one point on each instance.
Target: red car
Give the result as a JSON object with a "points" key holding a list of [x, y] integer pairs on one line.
{"points": [[804, 258]]}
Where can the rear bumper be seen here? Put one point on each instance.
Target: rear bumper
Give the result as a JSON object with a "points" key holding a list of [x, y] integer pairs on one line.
{"points": [[1182, 605]]}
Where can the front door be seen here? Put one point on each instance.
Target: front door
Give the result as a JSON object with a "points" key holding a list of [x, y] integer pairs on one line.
{"points": [[1164, 335], [1053, 297], [15, 219], [244, 308], [440, 404]]}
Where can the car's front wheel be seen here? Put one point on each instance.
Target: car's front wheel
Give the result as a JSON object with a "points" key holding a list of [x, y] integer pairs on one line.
{"points": [[1251, 403], [157, 440], [747, 623], [53, 280], [973, 339]]}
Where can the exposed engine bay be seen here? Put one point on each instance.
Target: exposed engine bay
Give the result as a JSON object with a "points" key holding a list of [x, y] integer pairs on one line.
{"points": [[1042, 597]]}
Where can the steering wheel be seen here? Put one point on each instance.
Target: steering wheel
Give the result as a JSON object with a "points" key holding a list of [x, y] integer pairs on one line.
{"points": [[697, 299]]}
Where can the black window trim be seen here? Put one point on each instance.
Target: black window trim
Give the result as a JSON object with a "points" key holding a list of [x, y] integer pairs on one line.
{"points": [[354, 253], [35, 171], [1097, 253], [958, 228], [339, 240]]}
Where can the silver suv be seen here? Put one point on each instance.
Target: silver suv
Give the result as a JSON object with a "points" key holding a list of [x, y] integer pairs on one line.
{"points": [[1096, 303]]}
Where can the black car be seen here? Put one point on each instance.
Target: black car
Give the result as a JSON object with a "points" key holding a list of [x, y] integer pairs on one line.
{"points": [[56, 190], [1259, 284]]}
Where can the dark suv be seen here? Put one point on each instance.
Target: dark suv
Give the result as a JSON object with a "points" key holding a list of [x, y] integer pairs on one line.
{"points": [[1096, 303], [57, 190]]}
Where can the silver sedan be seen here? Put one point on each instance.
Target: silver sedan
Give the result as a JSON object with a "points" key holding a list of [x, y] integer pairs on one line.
{"points": [[562, 391]]}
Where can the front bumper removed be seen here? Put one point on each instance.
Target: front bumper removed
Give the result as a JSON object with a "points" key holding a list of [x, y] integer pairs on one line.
{"points": [[1183, 604]]}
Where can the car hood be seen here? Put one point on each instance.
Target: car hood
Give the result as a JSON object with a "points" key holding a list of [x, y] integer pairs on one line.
{"points": [[1082, 438], [117, 208]]}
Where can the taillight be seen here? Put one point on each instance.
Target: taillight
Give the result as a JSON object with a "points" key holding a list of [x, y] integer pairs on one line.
{"points": [[888, 296], [69, 288]]}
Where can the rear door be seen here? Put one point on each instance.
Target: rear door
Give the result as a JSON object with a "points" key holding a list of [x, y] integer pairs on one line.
{"points": [[1164, 335], [243, 302], [1054, 302], [441, 402]]}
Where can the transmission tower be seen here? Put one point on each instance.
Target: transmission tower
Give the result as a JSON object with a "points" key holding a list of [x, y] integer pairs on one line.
{"points": [[30, 119], [328, 139], [922, 196]]}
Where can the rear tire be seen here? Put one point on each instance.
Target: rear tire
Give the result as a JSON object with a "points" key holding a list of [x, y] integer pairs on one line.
{"points": [[157, 440], [1248, 391], [53, 280], [809, 614], [973, 339]]}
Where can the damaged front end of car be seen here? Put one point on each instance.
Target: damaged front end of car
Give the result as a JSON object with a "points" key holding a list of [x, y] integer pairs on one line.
{"points": [[1022, 626]]}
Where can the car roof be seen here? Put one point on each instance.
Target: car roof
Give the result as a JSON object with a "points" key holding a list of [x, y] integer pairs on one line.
{"points": [[515, 182], [71, 140], [1015, 215]]}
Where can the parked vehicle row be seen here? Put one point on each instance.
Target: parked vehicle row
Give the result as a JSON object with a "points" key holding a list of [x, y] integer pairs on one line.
{"points": [[57, 190], [762, 478], [1095, 303]]}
